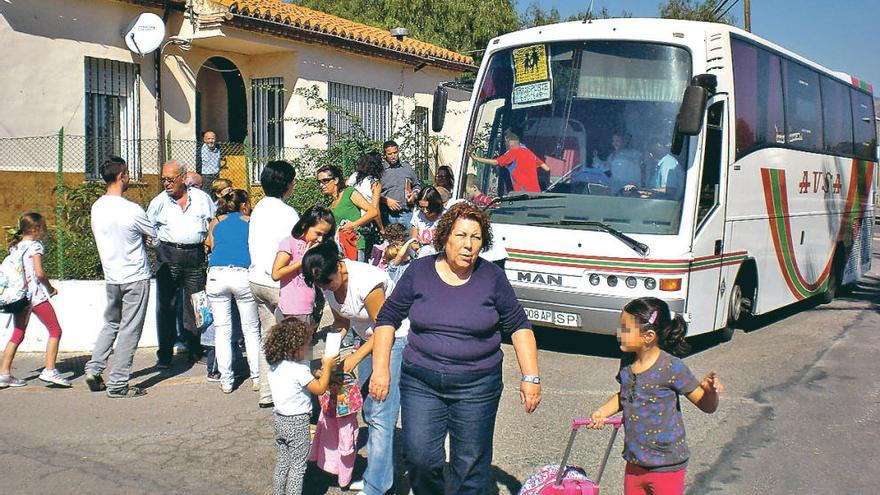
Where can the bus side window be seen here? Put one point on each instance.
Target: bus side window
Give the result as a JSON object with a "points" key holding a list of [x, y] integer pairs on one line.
{"points": [[711, 177]]}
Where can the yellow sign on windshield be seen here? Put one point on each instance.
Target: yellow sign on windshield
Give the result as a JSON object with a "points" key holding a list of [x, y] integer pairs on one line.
{"points": [[530, 64]]}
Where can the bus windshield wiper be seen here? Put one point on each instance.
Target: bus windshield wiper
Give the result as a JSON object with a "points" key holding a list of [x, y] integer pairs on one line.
{"points": [[633, 244], [520, 197]]}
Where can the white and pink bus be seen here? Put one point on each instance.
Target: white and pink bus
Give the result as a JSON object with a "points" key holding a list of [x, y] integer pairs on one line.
{"points": [[690, 161]]}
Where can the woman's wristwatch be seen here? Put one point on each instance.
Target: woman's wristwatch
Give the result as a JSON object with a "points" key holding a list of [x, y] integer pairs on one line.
{"points": [[532, 379]]}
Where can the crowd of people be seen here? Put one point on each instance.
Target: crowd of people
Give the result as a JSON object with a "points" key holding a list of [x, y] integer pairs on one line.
{"points": [[389, 257]]}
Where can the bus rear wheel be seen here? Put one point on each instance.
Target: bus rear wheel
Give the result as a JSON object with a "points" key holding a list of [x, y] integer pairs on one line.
{"points": [[834, 278]]}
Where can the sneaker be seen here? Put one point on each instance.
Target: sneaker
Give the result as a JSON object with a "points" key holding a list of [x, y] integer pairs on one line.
{"points": [[255, 384], [226, 388], [126, 393], [180, 348], [54, 377], [11, 381], [213, 376], [356, 485], [266, 404], [163, 365], [95, 382]]}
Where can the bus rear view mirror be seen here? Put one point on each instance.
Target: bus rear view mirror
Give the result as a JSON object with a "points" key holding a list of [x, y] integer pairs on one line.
{"points": [[439, 111], [690, 116]]}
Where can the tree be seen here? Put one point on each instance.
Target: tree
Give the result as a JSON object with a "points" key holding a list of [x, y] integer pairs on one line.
{"points": [[694, 10], [459, 25], [534, 16]]}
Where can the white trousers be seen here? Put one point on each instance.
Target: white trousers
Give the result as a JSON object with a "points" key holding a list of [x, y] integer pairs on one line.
{"points": [[227, 284]]}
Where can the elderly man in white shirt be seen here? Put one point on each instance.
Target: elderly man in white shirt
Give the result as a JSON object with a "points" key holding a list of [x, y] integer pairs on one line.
{"points": [[271, 222], [121, 230], [181, 216]]}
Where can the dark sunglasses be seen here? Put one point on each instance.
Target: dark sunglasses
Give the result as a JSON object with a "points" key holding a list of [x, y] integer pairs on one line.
{"points": [[325, 180]]}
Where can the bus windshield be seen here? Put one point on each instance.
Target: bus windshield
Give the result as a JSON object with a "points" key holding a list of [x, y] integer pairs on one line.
{"points": [[580, 132]]}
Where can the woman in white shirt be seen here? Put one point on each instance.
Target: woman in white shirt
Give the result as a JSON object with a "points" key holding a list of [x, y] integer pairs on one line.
{"points": [[356, 292], [424, 223], [367, 180]]}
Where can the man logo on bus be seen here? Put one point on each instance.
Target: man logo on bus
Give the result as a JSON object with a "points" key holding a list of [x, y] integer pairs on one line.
{"points": [[539, 278]]}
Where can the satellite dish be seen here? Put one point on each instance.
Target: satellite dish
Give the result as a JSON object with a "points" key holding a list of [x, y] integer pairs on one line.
{"points": [[144, 33]]}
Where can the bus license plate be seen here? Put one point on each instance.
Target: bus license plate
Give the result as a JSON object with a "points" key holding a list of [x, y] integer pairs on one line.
{"points": [[555, 317]]}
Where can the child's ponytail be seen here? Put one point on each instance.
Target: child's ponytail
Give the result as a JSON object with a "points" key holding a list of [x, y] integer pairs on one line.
{"points": [[672, 340], [654, 314]]}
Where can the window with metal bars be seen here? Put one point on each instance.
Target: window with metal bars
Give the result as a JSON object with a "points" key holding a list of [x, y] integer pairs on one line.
{"points": [[112, 115], [267, 122], [355, 108]]}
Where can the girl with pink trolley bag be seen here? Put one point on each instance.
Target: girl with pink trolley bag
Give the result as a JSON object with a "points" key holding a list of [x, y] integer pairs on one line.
{"points": [[570, 480]]}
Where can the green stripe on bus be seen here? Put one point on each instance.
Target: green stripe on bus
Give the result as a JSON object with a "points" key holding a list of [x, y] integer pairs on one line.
{"points": [[781, 232]]}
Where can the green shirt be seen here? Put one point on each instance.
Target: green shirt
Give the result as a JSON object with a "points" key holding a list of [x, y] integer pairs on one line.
{"points": [[347, 210]]}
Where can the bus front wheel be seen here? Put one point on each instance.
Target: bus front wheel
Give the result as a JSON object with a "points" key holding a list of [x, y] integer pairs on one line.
{"points": [[738, 309]]}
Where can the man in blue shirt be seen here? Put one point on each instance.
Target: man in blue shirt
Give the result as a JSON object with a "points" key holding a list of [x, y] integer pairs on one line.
{"points": [[181, 216], [208, 160], [668, 175]]}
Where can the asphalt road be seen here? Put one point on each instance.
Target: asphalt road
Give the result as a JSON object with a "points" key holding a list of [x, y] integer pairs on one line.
{"points": [[799, 415]]}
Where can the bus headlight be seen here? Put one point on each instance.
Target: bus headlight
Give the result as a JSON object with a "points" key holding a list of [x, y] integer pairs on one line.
{"points": [[631, 282], [612, 281], [595, 279], [650, 284]]}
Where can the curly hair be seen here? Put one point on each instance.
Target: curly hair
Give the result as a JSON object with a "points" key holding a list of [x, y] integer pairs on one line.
{"points": [[396, 232], [285, 339], [465, 211]]}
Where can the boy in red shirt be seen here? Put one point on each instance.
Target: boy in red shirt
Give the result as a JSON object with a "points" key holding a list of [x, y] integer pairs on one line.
{"points": [[520, 161]]}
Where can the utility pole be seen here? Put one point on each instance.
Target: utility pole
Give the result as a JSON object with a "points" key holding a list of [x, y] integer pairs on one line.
{"points": [[748, 15]]}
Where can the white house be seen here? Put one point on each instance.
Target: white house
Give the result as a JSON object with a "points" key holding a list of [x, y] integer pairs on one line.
{"points": [[233, 66]]}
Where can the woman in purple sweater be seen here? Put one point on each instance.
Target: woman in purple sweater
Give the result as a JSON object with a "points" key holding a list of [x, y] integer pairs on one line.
{"points": [[458, 305]]}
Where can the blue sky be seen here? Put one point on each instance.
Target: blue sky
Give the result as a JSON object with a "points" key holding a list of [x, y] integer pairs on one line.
{"points": [[839, 34]]}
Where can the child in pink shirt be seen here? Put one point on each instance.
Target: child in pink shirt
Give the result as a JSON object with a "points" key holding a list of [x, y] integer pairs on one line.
{"points": [[296, 298]]}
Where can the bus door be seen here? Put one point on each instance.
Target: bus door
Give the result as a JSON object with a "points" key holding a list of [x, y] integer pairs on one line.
{"points": [[705, 289]]}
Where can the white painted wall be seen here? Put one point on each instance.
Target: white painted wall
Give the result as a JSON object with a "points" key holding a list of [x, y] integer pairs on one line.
{"points": [[46, 41], [80, 308]]}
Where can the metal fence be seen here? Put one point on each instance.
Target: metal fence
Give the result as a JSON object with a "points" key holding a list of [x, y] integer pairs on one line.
{"points": [[58, 176]]}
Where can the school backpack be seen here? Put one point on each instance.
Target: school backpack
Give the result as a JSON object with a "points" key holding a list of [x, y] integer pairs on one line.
{"points": [[13, 283]]}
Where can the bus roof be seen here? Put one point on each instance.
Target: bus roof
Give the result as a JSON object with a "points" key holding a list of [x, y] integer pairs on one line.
{"points": [[657, 30]]}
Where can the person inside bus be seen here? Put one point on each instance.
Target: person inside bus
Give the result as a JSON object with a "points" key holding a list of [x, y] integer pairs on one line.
{"points": [[667, 176], [664, 175], [520, 161], [623, 164]]}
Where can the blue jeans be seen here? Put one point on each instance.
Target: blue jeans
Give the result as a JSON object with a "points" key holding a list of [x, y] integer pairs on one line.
{"points": [[464, 405], [381, 419], [403, 216]]}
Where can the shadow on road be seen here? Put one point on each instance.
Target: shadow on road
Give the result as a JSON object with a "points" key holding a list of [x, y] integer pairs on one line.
{"points": [[569, 342], [179, 366]]}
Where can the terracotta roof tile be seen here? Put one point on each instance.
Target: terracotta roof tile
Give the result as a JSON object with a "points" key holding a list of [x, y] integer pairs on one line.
{"points": [[305, 18]]}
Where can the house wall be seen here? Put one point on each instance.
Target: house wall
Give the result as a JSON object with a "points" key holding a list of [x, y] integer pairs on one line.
{"points": [[45, 43]]}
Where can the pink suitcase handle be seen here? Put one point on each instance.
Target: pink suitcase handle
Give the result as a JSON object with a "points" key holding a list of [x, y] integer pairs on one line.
{"points": [[578, 422]]}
